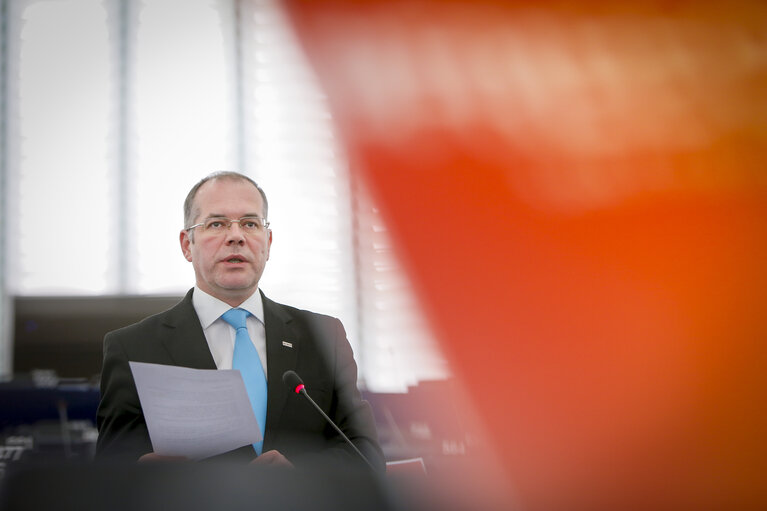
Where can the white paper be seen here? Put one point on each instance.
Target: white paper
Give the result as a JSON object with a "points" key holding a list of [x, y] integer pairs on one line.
{"points": [[195, 413]]}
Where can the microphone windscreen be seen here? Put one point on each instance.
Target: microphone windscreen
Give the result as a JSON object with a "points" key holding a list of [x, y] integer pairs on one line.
{"points": [[291, 379]]}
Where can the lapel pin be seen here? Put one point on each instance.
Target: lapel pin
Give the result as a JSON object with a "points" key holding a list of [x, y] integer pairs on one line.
{"points": [[287, 344]]}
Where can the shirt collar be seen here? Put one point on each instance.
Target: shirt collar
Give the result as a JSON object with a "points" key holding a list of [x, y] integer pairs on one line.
{"points": [[209, 308]]}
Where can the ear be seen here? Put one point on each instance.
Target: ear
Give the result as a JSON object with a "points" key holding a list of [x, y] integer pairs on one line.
{"points": [[185, 241], [269, 245]]}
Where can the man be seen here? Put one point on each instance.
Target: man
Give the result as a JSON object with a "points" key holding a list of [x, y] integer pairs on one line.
{"points": [[227, 240]]}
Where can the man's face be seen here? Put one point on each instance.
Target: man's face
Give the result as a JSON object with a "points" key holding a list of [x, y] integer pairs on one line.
{"points": [[227, 265]]}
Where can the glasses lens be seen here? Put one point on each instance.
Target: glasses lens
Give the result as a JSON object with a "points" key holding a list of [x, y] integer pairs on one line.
{"points": [[214, 225], [251, 224], [248, 224]]}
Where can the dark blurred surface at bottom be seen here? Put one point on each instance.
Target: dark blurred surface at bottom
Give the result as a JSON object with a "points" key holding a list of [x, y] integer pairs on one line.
{"points": [[191, 486]]}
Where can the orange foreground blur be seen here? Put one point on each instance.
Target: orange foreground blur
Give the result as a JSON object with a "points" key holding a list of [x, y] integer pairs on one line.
{"points": [[580, 198]]}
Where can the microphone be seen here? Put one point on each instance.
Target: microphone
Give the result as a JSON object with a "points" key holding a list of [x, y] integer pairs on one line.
{"points": [[294, 382]]}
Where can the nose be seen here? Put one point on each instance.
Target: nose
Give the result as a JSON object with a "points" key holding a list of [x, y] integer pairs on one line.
{"points": [[234, 235]]}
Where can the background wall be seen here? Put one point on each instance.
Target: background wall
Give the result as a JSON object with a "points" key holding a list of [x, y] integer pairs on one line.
{"points": [[113, 109]]}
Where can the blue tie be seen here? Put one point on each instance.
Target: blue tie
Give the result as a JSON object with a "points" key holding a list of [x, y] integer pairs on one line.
{"points": [[246, 359]]}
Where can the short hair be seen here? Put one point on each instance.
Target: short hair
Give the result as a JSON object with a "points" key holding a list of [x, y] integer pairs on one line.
{"points": [[224, 174]]}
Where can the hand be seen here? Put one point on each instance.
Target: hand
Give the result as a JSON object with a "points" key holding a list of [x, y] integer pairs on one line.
{"points": [[155, 458], [272, 458]]}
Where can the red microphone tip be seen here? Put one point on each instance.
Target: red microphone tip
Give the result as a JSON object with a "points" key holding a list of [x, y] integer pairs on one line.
{"points": [[299, 388]]}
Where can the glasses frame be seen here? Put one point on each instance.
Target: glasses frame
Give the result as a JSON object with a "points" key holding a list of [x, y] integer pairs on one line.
{"points": [[228, 222]]}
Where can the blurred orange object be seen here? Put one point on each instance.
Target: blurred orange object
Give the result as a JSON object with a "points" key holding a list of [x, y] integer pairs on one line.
{"points": [[579, 194]]}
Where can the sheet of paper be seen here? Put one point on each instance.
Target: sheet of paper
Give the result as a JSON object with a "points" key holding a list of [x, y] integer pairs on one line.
{"points": [[195, 413]]}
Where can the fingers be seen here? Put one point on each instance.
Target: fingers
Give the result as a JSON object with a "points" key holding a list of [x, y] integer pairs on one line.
{"points": [[272, 458]]}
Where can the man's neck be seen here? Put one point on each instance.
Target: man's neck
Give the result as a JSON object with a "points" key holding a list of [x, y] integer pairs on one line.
{"points": [[233, 300]]}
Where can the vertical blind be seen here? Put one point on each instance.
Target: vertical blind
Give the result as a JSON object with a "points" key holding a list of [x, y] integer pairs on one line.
{"points": [[290, 148], [64, 159], [182, 128], [120, 107]]}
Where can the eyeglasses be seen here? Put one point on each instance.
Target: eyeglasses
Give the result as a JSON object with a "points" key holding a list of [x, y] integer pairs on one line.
{"points": [[219, 225]]}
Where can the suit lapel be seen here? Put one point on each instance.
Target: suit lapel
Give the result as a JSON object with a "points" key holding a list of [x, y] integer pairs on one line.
{"points": [[186, 344], [281, 352], [185, 340]]}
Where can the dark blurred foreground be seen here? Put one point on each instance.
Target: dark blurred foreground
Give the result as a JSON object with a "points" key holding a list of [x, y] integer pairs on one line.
{"points": [[91, 486], [189, 487]]}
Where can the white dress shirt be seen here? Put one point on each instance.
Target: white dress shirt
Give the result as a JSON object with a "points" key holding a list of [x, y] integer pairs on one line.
{"points": [[220, 335]]}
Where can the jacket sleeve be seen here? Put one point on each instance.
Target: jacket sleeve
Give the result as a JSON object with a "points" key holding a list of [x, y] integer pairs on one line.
{"points": [[123, 433], [349, 411]]}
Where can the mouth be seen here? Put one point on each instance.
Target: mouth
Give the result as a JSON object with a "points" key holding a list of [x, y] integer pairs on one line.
{"points": [[234, 260]]}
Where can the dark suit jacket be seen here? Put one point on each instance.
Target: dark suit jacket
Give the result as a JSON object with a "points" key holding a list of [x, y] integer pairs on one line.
{"points": [[320, 354]]}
